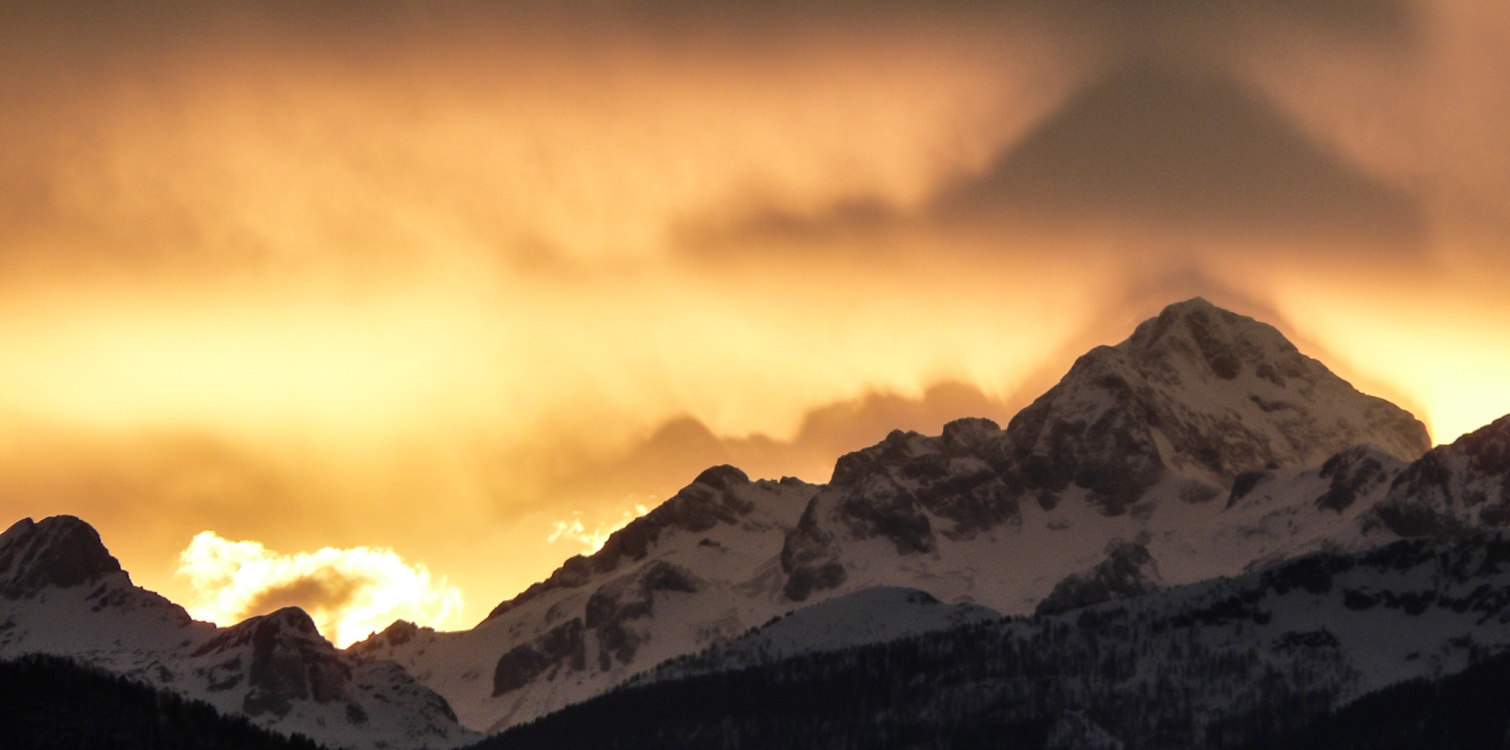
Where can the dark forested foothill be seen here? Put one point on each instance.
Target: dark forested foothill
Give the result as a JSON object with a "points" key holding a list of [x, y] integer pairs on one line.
{"points": [[49, 703], [1466, 711]]}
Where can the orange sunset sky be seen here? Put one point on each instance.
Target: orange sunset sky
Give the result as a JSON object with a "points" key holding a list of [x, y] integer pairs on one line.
{"points": [[403, 301]]}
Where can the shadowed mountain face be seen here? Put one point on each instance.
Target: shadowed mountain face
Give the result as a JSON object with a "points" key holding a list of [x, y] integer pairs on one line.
{"points": [[1161, 149], [61, 551]]}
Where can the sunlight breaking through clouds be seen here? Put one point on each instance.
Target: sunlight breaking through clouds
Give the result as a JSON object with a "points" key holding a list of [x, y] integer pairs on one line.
{"points": [[576, 531], [349, 593]]}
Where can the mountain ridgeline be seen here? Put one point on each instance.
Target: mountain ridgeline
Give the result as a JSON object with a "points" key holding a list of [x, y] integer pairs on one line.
{"points": [[1200, 537]]}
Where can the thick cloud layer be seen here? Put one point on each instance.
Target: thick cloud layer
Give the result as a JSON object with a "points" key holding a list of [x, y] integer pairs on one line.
{"points": [[437, 277]]}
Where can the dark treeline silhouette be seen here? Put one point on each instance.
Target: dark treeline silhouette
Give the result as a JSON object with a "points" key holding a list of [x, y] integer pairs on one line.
{"points": [[50, 703], [967, 688], [1466, 711]]}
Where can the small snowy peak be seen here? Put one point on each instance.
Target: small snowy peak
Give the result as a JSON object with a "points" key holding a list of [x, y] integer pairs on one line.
{"points": [[57, 552], [697, 570], [1128, 571], [279, 671], [908, 490], [873, 615], [722, 495], [286, 660], [1453, 490]]}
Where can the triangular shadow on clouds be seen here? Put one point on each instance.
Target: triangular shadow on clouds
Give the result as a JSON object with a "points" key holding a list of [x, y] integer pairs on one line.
{"points": [[1145, 156], [1152, 148]]}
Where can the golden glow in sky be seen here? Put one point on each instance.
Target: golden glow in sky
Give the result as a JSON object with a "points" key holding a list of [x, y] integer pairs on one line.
{"points": [[447, 292], [350, 593]]}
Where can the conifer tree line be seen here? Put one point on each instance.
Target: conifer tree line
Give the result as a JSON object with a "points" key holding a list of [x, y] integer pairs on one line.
{"points": [[51, 703]]}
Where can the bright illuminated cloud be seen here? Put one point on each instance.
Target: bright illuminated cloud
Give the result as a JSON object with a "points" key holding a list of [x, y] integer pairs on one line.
{"points": [[576, 531], [350, 593]]}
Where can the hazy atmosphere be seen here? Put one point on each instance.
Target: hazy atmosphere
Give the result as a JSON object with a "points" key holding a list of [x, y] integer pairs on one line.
{"points": [[386, 309]]}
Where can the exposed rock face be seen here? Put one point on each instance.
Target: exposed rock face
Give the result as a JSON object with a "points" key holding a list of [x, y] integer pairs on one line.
{"points": [[1127, 571], [286, 660], [561, 645], [610, 621], [1354, 473], [1455, 489], [59, 552], [1199, 399], [698, 507]]}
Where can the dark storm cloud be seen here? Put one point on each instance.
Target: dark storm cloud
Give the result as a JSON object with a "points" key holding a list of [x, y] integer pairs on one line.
{"points": [[320, 590], [1166, 141], [1154, 148]]}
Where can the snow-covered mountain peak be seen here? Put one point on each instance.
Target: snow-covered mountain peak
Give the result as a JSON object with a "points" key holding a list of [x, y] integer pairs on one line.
{"points": [[1198, 404], [58, 552], [1202, 391], [1198, 338]]}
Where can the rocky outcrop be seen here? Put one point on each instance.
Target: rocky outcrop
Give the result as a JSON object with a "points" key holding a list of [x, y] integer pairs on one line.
{"points": [[1455, 489], [57, 552], [1127, 571], [1354, 473], [561, 646], [611, 625], [285, 660], [698, 507]]}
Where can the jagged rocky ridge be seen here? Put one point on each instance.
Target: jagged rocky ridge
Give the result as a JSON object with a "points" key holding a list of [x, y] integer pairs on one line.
{"points": [[1206, 440], [63, 594], [1227, 663]]}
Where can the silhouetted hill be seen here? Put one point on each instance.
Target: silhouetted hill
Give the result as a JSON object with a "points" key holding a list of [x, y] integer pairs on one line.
{"points": [[48, 703]]}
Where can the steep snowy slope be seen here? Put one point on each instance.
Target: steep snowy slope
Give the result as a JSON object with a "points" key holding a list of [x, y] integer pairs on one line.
{"points": [[1204, 445], [699, 569], [874, 615], [1217, 664], [62, 593]]}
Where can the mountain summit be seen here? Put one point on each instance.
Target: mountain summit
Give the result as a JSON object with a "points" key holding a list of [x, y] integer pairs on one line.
{"points": [[1203, 445], [61, 552], [1201, 391], [1174, 415]]}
